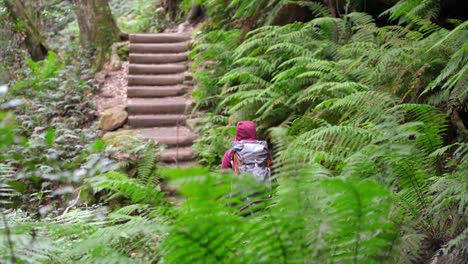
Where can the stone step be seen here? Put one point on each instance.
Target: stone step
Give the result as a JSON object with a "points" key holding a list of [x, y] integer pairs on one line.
{"points": [[167, 79], [156, 91], [155, 106], [176, 155], [159, 38], [156, 120], [157, 69], [158, 58], [158, 47], [177, 136]]}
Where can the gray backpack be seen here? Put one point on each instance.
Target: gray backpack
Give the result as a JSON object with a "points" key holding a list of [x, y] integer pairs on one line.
{"points": [[251, 157]]}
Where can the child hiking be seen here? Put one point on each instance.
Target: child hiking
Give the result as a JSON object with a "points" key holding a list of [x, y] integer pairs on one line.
{"points": [[247, 154]]}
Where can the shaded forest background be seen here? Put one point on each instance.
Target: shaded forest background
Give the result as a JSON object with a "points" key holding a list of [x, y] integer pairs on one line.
{"points": [[364, 104]]}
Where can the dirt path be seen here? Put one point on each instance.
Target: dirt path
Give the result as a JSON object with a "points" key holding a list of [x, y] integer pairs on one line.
{"points": [[112, 89]]}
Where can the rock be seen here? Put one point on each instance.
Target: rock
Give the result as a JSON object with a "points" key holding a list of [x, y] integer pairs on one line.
{"points": [[117, 50], [160, 11], [114, 138], [188, 77], [115, 64], [100, 77], [113, 118], [184, 27]]}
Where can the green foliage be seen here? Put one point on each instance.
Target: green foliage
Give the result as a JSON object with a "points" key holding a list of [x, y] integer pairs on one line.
{"points": [[10, 39], [7, 127], [343, 98], [212, 55], [51, 18], [215, 139], [131, 234], [286, 230], [61, 93], [428, 9], [137, 190], [453, 78], [252, 13], [357, 115], [51, 145], [137, 16], [136, 155]]}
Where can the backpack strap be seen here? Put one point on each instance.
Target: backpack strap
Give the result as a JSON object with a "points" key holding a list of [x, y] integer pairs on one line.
{"points": [[234, 164], [234, 161]]}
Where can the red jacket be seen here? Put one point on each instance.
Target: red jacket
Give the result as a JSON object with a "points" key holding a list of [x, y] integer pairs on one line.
{"points": [[246, 131]]}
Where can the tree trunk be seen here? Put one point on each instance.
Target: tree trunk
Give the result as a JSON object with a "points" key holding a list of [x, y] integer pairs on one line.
{"points": [[35, 43], [98, 29], [331, 7], [170, 8], [195, 14]]}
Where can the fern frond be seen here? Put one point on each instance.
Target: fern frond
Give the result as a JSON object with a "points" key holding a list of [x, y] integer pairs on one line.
{"points": [[128, 187], [146, 164], [265, 66], [127, 242], [291, 49], [451, 193], [328, 90], [330, 145], [357, 48], [359, 18], [455, 72], [363, 207], [423, 8], [7, 193], [244, 76], [368, 104], [316, 8], [432, 128], [304, 124]]}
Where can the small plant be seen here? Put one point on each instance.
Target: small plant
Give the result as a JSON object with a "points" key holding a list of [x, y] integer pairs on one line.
{"points": [[40, 75]]}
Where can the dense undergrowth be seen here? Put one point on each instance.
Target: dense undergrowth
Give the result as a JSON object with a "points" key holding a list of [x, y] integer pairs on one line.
{"points": [[59, 182], [366, 123], [372, 112]]}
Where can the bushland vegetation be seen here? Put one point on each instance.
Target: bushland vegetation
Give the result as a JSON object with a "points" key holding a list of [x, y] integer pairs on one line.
{"points": [[364, 106]]}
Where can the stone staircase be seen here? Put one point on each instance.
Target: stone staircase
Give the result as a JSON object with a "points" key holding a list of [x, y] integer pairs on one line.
{"points": [[159, 93]]}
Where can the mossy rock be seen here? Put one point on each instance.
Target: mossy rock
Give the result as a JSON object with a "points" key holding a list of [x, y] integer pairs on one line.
{"points": [[123, 52], [120, 138]]}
